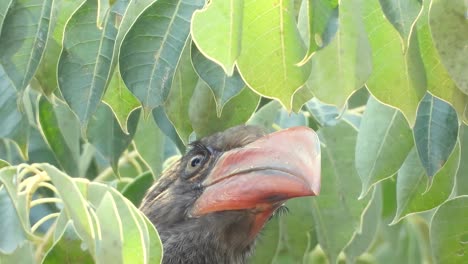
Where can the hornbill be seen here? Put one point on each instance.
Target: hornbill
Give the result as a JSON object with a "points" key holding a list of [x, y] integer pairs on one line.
{"points": [[209, 206]]}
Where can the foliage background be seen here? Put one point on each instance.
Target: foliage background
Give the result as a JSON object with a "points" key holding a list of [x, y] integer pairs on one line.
{"points": [[97, 97]]}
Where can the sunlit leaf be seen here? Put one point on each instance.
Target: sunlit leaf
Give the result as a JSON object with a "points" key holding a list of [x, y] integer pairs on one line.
{"points": [[217, 29]]}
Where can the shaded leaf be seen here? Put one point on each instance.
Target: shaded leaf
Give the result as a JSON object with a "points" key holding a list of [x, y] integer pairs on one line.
{"points": [[272, 72], [149, 54], [3, 11], [136, 190], [384, 141], [435, 133], [149, 142], [347, 57], [217, 29], [13, 235], [202, 110], [267, 244], [266, 116], [22, 44], [105, 134], [395, 72], [448, 25], [449, 236], [462, 173], [224, 87], [416, 192]]}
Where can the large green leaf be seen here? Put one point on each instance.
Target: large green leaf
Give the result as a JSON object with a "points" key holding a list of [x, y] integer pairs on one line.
{"points": [[149, 142], [84, 67], [105, 134], [383, 142], [449, 236], [395, 72], [338, 199], [462, 173], [347, 58], [120, 100], [217, 32], [416, 192], [202, 110], [14, 123], [23, 39], [439, 82], [402, 14], [152, 48], [224, 87], [435, 133], [177, 104], [447, 20], [3, 11], [61, 131], [271, 49], [13, 235]]}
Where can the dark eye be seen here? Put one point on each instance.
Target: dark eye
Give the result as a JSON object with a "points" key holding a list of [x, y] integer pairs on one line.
{"points": [[196, 161]]}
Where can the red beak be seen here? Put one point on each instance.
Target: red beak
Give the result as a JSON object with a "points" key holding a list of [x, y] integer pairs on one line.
{"points": [[263, 174]]}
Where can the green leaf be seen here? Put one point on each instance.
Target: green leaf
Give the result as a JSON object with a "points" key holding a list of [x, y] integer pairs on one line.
{"points": [[13, 235], [105, 134], [449, 236], [136, 190], [14, 123], [149, 53], [85, 62], [402, 14], [67, 248], [202, 110], [267, 244], [266, 116], [416, 192], [177, 104], [22, 43], [347, 58], [462, 173], [61, 130], [448, 27], [384, 141], [120, 100], [23, 254], [439, 82], [435, 133], [395, 72], [268, 64], [3, 11], [149, 142], [338, 199], [217, 29], [370, 223], [224, 87]]}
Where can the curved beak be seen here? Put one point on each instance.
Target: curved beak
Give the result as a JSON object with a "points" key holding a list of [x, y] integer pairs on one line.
{"points": [[263, 174]]}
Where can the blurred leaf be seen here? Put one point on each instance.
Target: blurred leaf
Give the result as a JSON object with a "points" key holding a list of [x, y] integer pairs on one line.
{"points": [[402, 14], [23, 254], [14, 123], [439, 82], [67, 248], [416, 192], [202, 110], [267, 243], [46, 76], [177, 104], [105, 134], [435, 133], [338, 199], [22, 44], [84, 67], [266, 116], [219, 24], [395, 72], [136, 190], [111, 244], [268, 63], [149, 142], [329, 115], [224, 87], [61, 130], [13, 235], [4, 5], [149, 54], [3, 163], [447, 21], [449, 236], [389, 200], [462, 173], [363, 239], [120, 100], [159, 115], [384, 141], [347, 57]]}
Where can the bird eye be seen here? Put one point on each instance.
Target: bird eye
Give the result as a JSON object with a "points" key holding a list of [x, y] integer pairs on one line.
{"points": [[196, 161], [194, 164]]}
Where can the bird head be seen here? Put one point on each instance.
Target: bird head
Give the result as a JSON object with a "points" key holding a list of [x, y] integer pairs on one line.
{"points": [[209, 206]]}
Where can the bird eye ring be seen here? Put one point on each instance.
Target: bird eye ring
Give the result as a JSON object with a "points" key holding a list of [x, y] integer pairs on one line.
{"points": [[196, 161]]}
